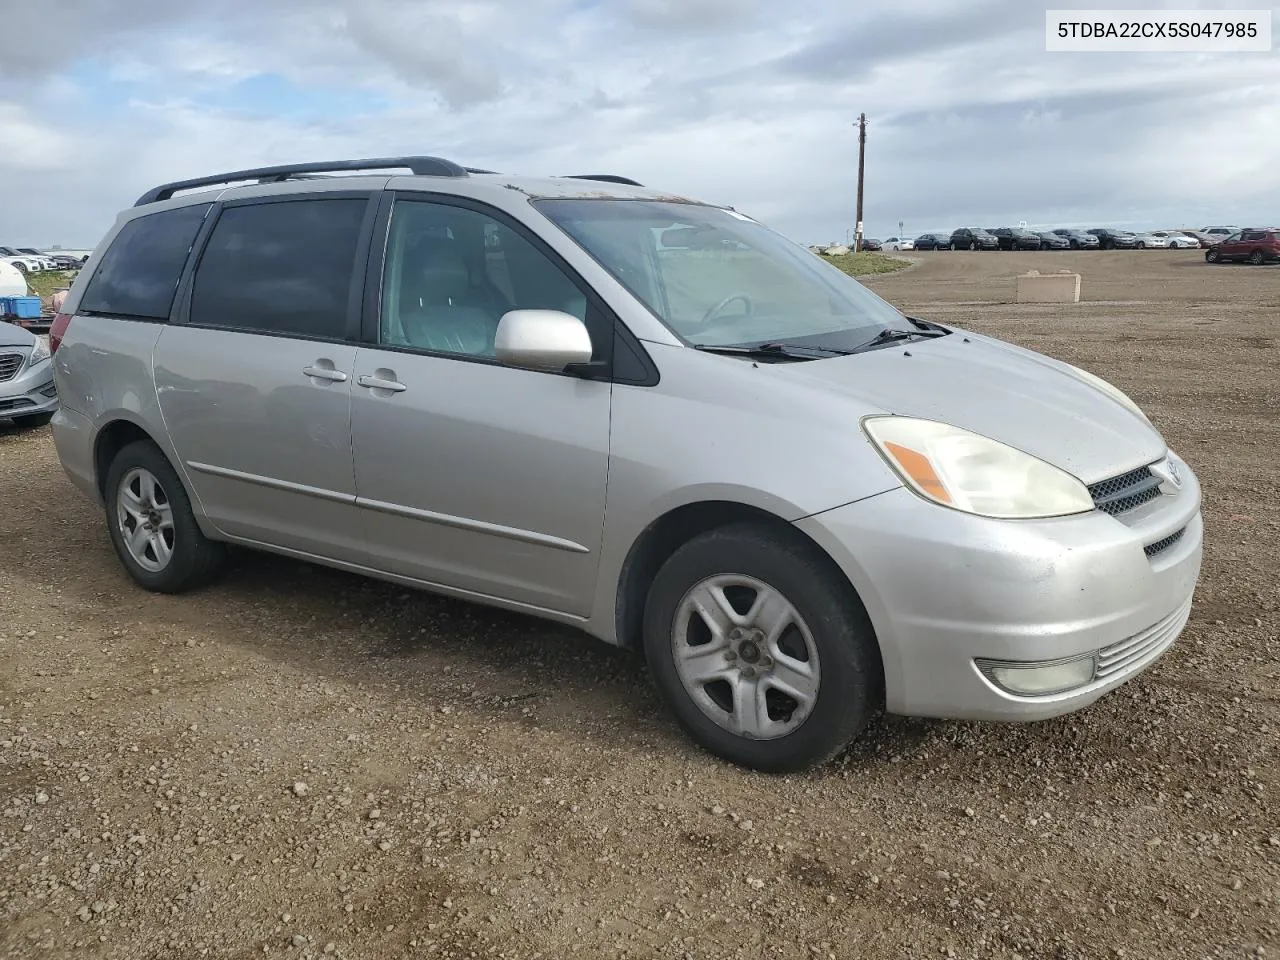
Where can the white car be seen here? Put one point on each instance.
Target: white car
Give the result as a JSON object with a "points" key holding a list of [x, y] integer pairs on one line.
{"points": [[24, 263], [1157, 240], [1177, 239], [899, 243]]}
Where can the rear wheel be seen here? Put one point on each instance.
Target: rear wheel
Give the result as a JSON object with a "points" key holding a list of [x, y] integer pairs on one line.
{"points": [[761, 649], [151, 523], [1257, 257]]}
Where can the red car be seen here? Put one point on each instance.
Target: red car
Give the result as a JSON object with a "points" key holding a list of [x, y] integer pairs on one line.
{"points": [[1257, 245]]}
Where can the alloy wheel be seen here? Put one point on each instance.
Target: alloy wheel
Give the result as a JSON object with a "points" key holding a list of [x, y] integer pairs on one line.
{"points": [[145, 517]]}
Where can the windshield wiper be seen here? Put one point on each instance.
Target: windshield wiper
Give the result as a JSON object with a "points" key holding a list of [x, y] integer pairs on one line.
{"points": [[768, 351], [890, 335]]}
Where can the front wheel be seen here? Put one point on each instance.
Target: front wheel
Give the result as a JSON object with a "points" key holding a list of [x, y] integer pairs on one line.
{"points": [[1211, 255], [953, 245], [761, 649], [151, 523]]}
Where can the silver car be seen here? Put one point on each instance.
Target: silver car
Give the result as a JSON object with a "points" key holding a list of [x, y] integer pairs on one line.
{"points": [[28, 395], [646, 417]]}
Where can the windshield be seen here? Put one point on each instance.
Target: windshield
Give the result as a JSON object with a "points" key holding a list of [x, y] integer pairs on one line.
{"points": [[716, 277]]}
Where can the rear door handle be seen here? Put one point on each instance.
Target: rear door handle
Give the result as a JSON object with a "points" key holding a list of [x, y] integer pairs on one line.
{"points": [[325, 373], [377, 383]]}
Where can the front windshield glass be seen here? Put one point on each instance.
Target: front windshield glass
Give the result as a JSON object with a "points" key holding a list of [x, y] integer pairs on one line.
{"points": [[715, 277]]}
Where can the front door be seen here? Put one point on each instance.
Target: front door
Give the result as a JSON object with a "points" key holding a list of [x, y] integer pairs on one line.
{"points": [[471, 474], [255, 380]]}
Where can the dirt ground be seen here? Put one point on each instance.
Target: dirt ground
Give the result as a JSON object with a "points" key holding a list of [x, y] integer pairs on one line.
{"points": [[299, 763]]}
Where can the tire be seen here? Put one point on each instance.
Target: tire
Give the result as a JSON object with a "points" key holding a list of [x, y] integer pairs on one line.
{"points": [[1075, 244], [1257, 258], [1142, 245], [953, 245], [192, 559], [1211, 255], [840, 668], [972, 245], [32, 421]]}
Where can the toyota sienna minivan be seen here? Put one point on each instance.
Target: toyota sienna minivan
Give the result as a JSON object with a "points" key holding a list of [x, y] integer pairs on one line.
{"points": [[648, 417]]}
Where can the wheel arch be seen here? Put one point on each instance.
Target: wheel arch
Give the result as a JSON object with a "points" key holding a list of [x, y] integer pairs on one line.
{"points": [[112, 437], [668, 532]]}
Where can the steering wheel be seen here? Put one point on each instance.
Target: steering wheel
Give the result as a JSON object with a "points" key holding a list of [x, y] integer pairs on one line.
{"points": [[715, 311]]}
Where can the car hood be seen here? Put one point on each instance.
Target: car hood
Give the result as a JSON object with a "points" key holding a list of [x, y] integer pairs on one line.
{"points": [[1019, 397], [12, 336]]}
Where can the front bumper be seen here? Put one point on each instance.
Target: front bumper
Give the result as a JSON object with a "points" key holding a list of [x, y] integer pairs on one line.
{"points": [[946, 590], [30, 393]]}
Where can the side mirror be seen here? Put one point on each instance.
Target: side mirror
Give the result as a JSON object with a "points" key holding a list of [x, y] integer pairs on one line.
{"points": [[547, 340]]}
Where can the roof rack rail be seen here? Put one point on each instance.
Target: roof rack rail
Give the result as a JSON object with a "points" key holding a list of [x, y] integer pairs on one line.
{"points": [[421, 166], [606, 178]]}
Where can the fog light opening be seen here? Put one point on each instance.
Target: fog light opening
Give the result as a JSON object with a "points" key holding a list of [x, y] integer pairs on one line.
{"points": [[1038, 679]]}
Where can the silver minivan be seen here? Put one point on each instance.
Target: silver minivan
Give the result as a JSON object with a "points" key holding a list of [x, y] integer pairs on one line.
{"points": [[647, 417]]}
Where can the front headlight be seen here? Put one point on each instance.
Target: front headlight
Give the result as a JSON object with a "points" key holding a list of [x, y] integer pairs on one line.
{"points": [[39, 352], [973, 473], [1115, 393]]}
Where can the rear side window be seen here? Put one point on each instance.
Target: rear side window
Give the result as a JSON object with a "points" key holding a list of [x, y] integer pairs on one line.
{"points": [[285, 267], [138, 275]]}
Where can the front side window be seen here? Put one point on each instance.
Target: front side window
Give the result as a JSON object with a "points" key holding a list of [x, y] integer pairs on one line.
{"points": [[715, 277], [138, 274], [452, 272], [284, 267]]}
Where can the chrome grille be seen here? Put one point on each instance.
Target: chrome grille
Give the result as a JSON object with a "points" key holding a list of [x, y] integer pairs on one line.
{"points": [[1142, 647], [1125, 492], [1151, 549], [9, 364]]}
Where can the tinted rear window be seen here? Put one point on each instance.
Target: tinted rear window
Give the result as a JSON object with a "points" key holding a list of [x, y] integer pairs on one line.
{"points": [[284, 267], [138, 275]]}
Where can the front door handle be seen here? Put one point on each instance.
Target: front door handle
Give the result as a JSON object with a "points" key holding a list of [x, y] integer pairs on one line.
{"points": [[377, 383], [325, 373]]}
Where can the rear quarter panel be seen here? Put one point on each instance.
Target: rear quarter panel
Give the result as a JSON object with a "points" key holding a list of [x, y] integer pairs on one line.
{"points": [[103, 373]]}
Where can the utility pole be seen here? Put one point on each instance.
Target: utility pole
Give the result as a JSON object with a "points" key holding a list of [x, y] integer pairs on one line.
{"points": [[862, 153]]}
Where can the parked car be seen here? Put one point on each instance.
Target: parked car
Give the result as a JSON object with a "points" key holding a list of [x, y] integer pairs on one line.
{"points": [[1152, 240], [1051, 241], [47, 261], [1115, 239], [972, 238], [1257, 245], [25, 263], [66, 262], [1221, 232], [871, 245], [1178, 239], [360, 377], [1079, 239], [28, 396], [932, 241], [1015, 238], [1204, 240], [899, 243]]}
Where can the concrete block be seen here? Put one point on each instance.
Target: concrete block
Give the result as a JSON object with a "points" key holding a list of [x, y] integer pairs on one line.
{"points": [[1037, 287]]}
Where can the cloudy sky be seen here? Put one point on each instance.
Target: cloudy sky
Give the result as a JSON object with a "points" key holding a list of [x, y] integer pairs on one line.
{"points": [[728, 100]]}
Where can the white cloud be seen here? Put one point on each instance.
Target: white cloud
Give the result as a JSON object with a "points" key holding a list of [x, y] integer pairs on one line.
{"points": [[736, 101]]}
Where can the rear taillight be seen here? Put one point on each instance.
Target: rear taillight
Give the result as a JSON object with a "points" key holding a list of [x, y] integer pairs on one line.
{"points": [[58, 330]]}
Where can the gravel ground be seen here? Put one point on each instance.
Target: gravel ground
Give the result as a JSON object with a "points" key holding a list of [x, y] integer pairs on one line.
{"points": [[297, 762]]}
